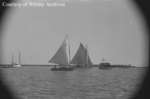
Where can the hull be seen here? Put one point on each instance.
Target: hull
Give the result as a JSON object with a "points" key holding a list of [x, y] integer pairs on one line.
{"points": [[62, 69], [105, 66]]}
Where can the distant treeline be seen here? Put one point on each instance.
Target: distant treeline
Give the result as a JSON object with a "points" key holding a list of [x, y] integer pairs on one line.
{"points": [[121, 65], [126, 66], [107, 64]]}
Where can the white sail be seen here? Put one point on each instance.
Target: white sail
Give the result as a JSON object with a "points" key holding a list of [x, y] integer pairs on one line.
{"points": [[60, 57], [81, 57]]}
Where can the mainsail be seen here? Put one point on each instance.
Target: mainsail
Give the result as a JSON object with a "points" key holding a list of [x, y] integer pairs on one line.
{"points": [[61, 57], [81, 57]]}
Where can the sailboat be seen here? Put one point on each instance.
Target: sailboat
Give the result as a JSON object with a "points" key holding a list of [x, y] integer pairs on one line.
{"points": [[81, 58], [61, 59], [19, 61]]}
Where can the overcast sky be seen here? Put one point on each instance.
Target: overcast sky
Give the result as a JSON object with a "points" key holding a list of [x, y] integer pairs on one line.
{"points": [[113, 29]]}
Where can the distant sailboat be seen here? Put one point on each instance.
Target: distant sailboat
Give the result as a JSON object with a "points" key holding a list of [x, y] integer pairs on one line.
{"points": [[12, 60], [81, 58], [61, 59], [19, 61]]}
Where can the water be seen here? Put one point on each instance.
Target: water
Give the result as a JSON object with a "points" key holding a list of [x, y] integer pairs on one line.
{"points": [[41, 83]]}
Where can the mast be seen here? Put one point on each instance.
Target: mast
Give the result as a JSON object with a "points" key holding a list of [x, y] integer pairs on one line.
{"points": [[86, 48], [67, 40], [68, 47], [68, 50]]}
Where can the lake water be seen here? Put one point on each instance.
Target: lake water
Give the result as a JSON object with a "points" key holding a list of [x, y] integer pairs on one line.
{"points": [[93, 83]]}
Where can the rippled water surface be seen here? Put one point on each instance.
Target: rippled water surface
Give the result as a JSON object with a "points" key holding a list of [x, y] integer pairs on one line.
{"points": [[41, 83]]}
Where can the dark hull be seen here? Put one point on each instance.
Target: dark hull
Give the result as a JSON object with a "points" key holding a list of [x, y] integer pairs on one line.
{"points": [[62, 69], [105, 66]]}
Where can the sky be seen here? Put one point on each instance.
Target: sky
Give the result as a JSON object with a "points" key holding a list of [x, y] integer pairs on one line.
{"points": [[112, 29]]}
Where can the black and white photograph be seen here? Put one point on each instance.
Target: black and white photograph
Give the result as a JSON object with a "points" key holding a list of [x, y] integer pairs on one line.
{"points": [[73, 49]]}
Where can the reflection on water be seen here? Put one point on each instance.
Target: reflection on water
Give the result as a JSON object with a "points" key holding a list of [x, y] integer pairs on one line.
{"points": [[41, 83]]}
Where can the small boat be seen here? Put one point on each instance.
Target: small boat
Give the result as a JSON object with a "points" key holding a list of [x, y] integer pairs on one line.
{"points": [[105, 65], [62, 58]]}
